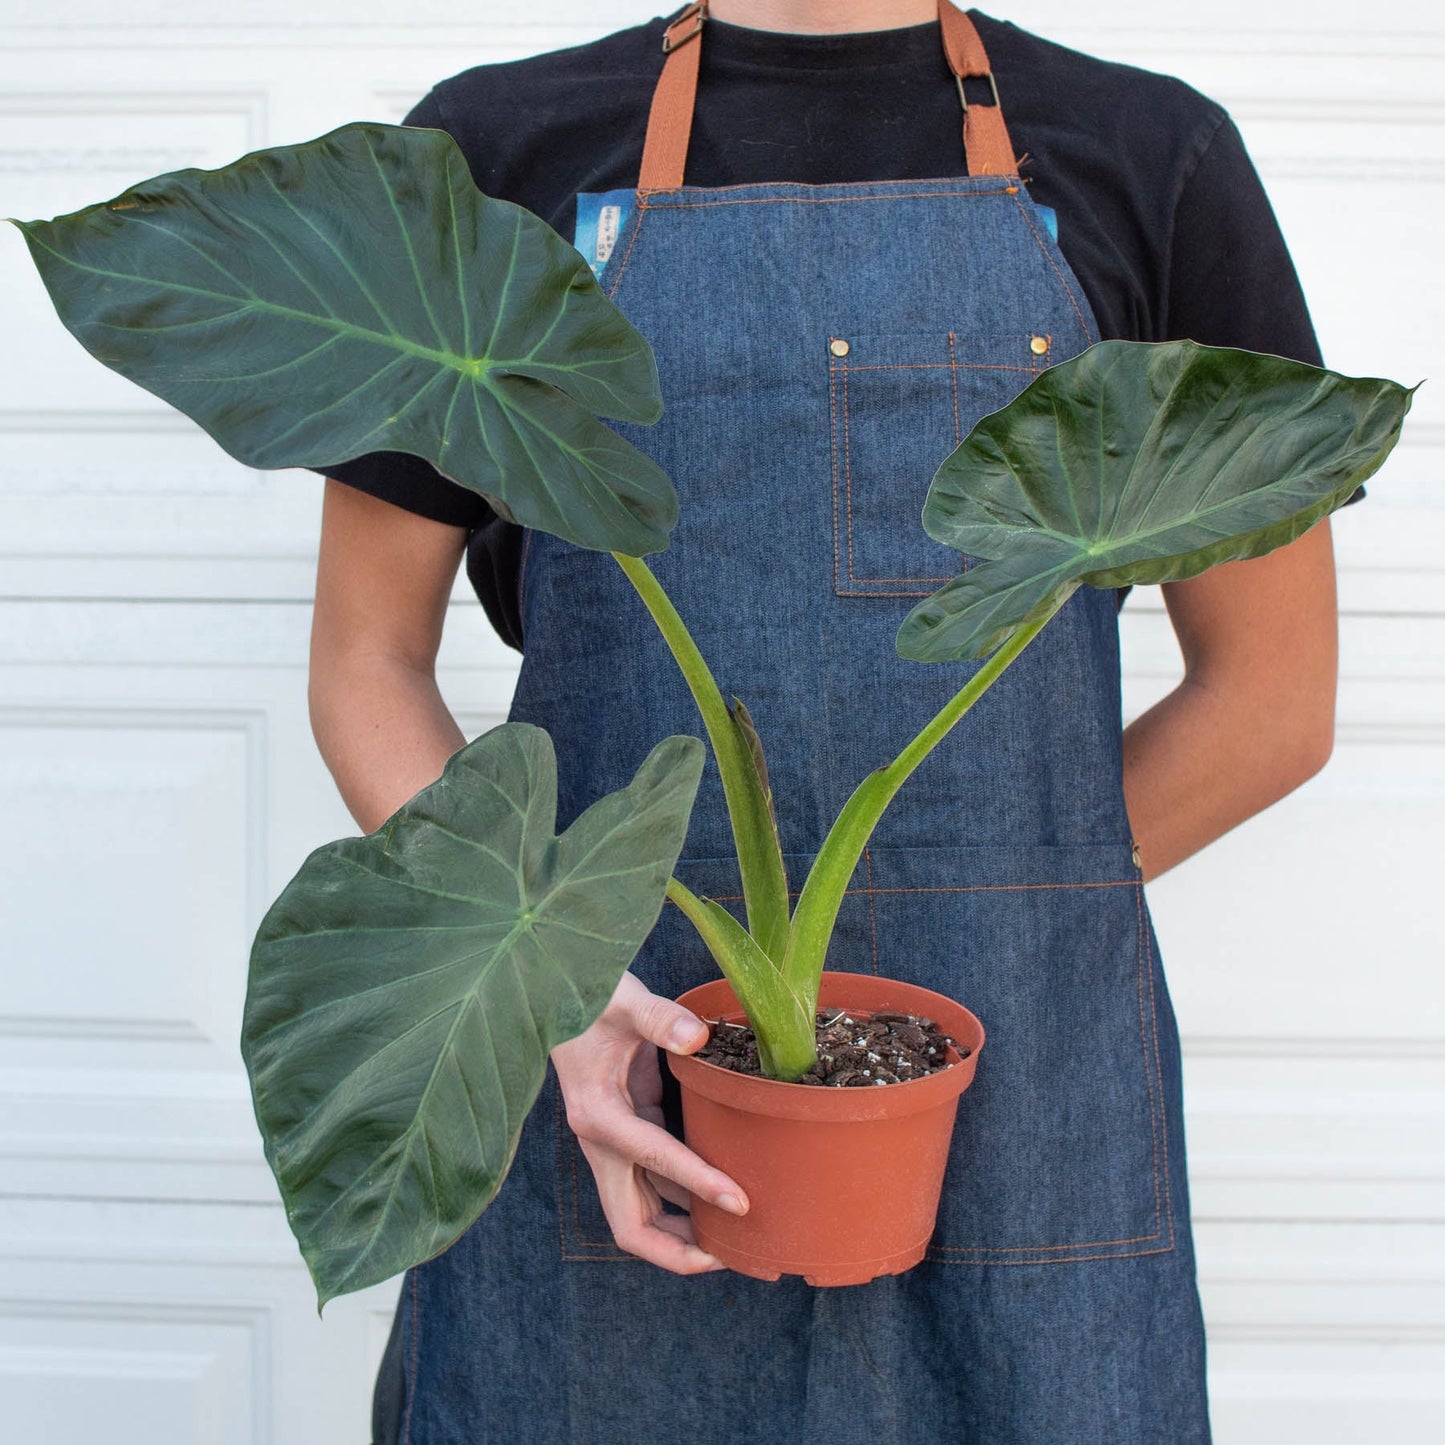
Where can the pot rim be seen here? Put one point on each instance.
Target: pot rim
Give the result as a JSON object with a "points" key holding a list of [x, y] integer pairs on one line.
{"points": [[867, 992]]}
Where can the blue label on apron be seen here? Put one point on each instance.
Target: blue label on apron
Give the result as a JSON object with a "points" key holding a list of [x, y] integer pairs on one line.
{"points": [[601, 216], [1051, 220]]}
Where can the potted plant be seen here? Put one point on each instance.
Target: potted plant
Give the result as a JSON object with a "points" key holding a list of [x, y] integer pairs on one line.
{"points": [[310, 303]]}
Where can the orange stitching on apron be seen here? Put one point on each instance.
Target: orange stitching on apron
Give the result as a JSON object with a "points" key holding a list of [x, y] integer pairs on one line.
{"points": [[944, 1249], [858, 592], [1153, 1120], [833, 437], [971, 888], [559, 1123], [1068, 290], [573, 1150], [1029, 1248], [642, 209], [957, 428], [566, 1143], [934, 1250], [848, 473], [604, 1258], [953, 367], [1158, 1071], [1007, 887], [942, 366], [823, 200], [833, 369]]}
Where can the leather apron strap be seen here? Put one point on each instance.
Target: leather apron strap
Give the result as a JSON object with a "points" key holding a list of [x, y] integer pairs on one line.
{"points": [[987, 149], [986, 144]]}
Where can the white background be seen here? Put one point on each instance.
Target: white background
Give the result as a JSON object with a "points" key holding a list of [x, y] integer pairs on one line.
{"points": [[158, 783]]}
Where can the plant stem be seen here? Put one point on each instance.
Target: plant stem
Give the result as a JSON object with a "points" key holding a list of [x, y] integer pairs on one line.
{"points": [[784, 1029], [760, 861], [832, 870]]}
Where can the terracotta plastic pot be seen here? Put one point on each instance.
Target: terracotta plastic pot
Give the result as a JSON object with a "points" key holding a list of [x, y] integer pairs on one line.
{"points": [[843, 1183]]}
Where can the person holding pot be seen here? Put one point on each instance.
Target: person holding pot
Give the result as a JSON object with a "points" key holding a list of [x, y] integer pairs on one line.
{"points": [[859, 225]]}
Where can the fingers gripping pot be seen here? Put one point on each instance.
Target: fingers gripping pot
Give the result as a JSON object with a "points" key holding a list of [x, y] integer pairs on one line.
{"points": [[844, 1183]]}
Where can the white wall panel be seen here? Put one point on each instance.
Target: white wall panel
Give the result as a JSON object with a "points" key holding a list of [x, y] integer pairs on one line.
{"points": [[101, 806], [170, 1277], [1328, 1386], [1307, 920], [163, 1373], [60, 151], [189, 807]]}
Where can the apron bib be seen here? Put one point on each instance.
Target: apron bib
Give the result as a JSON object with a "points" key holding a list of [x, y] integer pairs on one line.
{"points": [[821, 349]]}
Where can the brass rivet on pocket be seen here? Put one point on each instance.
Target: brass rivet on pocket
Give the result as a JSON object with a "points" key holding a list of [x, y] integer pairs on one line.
{"points": [[1039, 345], [838, 346]]}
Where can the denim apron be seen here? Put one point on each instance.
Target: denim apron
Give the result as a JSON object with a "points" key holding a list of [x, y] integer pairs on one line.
{"points": [[821, 349]]}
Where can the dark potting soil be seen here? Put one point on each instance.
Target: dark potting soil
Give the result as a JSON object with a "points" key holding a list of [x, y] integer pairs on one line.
{"points": [[854, 1049]]}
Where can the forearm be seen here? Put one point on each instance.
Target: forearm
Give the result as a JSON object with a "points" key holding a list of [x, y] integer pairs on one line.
{"points": [[1203, 759], [383, 730]]}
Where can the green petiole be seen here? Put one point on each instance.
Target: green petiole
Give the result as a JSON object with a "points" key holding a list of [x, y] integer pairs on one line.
{"points": [[775, 966], [832, 869], [760, 857]]}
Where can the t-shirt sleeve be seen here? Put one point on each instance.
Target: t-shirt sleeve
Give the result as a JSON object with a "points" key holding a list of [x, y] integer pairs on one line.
{"points": [[399, 477], [1231, 279]]}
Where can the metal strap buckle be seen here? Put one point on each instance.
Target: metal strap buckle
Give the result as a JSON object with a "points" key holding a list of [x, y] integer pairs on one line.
{"points": [[962, 98], [697, 12]]}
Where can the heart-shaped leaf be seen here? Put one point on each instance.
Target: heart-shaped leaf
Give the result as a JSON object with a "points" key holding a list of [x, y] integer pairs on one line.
{"points": [[310, 303], [407, 987], [1140, 462]]}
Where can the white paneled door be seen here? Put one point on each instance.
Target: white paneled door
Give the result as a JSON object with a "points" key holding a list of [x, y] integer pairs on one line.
{"points": [[158, 783]]}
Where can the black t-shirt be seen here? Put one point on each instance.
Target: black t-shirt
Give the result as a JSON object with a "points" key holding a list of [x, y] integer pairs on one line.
{"points": [[1160, 211]]}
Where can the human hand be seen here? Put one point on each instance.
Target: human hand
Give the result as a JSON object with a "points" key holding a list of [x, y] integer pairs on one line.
{"points": [[612, 1089]]}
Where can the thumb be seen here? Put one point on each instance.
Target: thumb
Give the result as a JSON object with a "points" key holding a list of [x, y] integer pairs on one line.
{"points": [[669, 1025]]}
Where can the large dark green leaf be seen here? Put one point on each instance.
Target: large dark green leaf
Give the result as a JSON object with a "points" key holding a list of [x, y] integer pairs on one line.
{"points": [[357, 293], [1140, 462], [407, 987]]}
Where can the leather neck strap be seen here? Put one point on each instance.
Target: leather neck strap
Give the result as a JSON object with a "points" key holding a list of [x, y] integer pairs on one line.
{"points": [[986, 144]]}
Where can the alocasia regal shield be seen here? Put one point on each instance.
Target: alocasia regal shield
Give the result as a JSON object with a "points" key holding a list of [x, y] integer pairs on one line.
{"points": [[357, 293], [1139, 463], [407, 987], [311, 303]]}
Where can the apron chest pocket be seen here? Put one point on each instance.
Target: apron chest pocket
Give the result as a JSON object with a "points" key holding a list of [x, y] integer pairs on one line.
{"points": [[899, 403]]}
